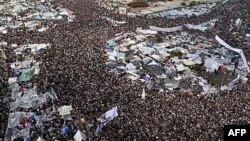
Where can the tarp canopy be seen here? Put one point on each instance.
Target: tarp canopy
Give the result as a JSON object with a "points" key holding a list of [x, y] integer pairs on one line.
{"points": [[112, 44], [211, 64], [40, 139], [235, 50], [28, 100], [80, 136], [26, 75]]}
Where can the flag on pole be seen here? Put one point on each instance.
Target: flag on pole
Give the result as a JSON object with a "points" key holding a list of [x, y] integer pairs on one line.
{"points": [[98, 129], [108, 116]]}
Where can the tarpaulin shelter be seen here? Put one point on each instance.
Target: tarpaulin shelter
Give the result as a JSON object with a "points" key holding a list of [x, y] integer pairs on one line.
{"points": [[40, 139], [26, 75], [211, 64], [112, 44], [80, 136]]}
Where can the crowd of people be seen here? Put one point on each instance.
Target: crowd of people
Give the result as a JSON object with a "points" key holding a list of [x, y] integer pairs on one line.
{"points": [[75, 68]]}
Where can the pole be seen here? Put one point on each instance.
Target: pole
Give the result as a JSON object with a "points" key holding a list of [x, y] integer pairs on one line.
{"points": [[223, 79]]}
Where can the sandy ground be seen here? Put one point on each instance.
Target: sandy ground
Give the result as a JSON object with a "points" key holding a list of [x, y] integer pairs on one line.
{"points": [[163, 5], [168, 5]]}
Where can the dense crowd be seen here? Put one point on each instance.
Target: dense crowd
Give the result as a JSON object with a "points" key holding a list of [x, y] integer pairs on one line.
{"points": [[75, 68]]}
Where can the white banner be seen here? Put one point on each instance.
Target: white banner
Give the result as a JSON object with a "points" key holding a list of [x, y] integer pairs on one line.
{"points": [[171, 29], [143, 31], [65, 110], [234, 49], [202, 26]]}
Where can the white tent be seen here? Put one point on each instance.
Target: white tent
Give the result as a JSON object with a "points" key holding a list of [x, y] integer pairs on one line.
{"points": [[235, 50], [143, 96], [79, 136], [40, 139]]}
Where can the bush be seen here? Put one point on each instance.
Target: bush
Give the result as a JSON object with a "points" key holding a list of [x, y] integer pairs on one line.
{"points": [[193, 3], [183, 4]]}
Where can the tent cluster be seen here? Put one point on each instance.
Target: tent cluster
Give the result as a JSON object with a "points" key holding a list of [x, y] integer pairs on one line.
{"points": [[171, 12], [175, 60], [25, 99], [185, 11], [31, 15], [23, 91]]}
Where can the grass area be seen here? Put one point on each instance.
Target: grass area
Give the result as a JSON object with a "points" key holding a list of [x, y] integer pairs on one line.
{"points": [[217, 79], [245, 13]]}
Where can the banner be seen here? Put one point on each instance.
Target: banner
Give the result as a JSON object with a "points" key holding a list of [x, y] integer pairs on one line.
{"points": [[142, 31], [202, 26], [234, 49], [65, 110], [171, 29]]}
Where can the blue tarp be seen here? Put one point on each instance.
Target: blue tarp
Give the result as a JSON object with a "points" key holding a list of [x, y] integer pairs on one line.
{"points": [[120, 55], [37, 118], [32, 114], [146, 78], [37, 17], [112, 44], [65, 130], [27, 139], [149, 43]]}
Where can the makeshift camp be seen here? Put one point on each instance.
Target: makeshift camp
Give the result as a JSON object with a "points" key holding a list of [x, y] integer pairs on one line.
{"points": [[28, 15], [177, 57]]}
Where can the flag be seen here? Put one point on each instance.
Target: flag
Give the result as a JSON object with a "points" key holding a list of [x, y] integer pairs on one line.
{"points": [[65, 130], [27, 139], [149, 84], [98, 129], [108, 116]]}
